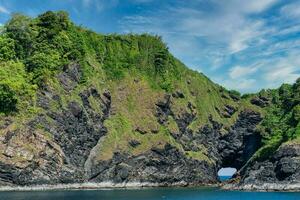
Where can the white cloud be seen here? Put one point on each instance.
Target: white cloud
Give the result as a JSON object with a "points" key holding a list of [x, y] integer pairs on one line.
{"points": [[268, 72], [240, 72], [230, 32], [285, 69], [255, 6], [242, 38], [287, 74], [86, 2], [291, 10], [141, 1], [4, 10], [242, 85], [229, 26], [99, 5]]}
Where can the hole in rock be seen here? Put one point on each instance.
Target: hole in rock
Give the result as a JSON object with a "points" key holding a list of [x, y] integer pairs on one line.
{"points": [[226, 173]]}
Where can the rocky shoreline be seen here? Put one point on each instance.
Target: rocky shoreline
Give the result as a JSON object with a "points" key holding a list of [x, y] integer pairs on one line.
{"points": [[102, 185], [265, 187]]}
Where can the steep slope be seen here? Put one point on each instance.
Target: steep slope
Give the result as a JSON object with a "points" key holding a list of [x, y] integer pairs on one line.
{"points": [[276, 165], [77, 107]]}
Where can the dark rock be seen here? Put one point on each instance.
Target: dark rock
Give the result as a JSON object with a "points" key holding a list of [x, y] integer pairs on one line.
{"points": [[8, 136], [5, 123], [178, 94], [77, 129], [134, 143], [70, 77], [75, 109], [234, 97], [242, 141], [163, 109], [281, 168], [260, 101], [43, 101], [122, 172], [164, 165], [228, 111], [94, 92], [286, 167], [224, 96], [141, 130]]}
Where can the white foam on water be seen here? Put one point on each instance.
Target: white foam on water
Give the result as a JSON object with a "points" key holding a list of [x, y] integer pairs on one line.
{"points": [[264, 187], [88, 186]]}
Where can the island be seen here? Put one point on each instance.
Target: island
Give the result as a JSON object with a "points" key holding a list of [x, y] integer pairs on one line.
{"points": [[83, 109]]}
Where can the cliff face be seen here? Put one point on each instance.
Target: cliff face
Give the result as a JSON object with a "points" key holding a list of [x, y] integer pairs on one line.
{"points": [[81, 107], [279, 172], [65, 145]]}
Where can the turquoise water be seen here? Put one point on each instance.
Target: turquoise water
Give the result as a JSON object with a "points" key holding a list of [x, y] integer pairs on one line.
{"points": [[224, 178], [150, 194]]}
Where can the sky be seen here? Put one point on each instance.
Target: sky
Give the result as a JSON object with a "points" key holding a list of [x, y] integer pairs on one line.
{"points": [[244, 45], [228, 171]]}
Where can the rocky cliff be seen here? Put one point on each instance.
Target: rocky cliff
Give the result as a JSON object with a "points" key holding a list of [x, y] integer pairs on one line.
{"points": [[80, 107]]}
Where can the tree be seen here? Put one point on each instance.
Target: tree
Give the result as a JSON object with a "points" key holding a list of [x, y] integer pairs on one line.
{"points": [[8, 100], [7, 49], [296, 113], [296, 92], [53, 23], [161, 61], [285, 93], [40, 60], [19, 29]]}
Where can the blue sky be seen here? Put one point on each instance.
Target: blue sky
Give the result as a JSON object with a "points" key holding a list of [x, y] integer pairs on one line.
{"points": [[242, 44], [228, 171]]}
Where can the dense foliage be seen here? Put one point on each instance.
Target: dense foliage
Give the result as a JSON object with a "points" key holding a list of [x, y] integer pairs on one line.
{"points": [[282, 121], [33, 51], [8, 99], [43, 45]]}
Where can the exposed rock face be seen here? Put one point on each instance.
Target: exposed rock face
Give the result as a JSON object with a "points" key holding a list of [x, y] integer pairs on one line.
{"points": [[280, 172], [164, 165], [241, 142], [77, 128], [70, 77], [260, 101], [167, 165], [73, 131], [62, 143]]}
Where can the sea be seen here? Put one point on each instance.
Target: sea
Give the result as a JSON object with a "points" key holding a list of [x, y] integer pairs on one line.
{"points": [[187, 193]]}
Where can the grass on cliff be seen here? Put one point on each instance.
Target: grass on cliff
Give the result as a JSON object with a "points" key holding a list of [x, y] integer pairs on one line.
{"points": [[137, 69], [282, 119]]}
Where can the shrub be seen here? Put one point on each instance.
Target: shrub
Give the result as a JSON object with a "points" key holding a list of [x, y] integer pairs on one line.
{"points": [[296, 113], [19, 29], [8, 99], [52, 23], [16, 89], [7, 49], [41, 60]]}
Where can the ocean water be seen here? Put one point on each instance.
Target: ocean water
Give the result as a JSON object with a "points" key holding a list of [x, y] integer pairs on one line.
{"points": [[149, 194], [224, 178]]}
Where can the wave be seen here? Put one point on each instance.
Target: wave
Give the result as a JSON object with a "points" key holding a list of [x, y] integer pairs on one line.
{"points": [[88, 186]]}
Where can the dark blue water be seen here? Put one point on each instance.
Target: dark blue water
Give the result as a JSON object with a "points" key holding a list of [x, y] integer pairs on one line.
{"points": [[224, 178], [150, 194]]}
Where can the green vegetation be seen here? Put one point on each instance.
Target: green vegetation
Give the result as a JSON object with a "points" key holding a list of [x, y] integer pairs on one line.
{"points": [[8, 99], [138, 70], [50, 41], [16, 91], [282, 121]]}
